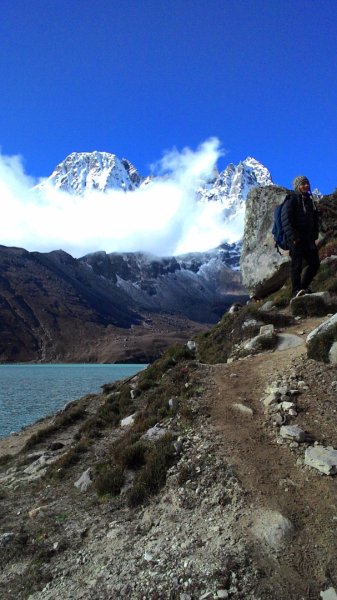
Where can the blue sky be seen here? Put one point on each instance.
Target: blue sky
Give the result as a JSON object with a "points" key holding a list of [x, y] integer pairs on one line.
{"points": [[138, 77]]}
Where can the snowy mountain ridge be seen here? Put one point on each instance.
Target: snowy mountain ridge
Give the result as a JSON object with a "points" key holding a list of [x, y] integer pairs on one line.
{"points": [[102, 171], [82, 171]]}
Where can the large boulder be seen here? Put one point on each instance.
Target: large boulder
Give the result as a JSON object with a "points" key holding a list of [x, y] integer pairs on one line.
{"points": [[321, 342], [263, 269], [313, 305]]}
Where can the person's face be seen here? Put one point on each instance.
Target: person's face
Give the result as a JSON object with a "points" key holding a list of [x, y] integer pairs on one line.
{"points": [[304, 187]]}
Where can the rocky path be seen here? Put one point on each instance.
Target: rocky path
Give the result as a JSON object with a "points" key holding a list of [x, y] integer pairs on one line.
{"points": [[240, 517], [273, 477]]}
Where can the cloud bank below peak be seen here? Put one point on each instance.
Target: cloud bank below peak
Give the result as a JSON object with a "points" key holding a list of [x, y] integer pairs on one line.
{"points": [[162, 218]]}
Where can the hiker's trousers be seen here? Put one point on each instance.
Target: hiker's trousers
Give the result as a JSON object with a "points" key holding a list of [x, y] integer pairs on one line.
{"points": [[300, 253]]}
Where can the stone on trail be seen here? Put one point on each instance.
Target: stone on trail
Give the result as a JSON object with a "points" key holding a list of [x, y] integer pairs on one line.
{"points": [[294, 433], [288, 340], [321, 458], [245, 410], [259, 343], [321, 339], [269, 329], [311, 305], [272, 528]]}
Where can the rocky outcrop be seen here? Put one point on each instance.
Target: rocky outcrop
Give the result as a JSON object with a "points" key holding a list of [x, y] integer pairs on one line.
{"points": [[263, 269], [322, 341], [313, 305]]}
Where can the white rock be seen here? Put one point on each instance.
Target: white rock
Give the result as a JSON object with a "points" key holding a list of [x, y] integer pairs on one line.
{"points": [[84, 482], [287, 405], [128, 420], [148, 557], [322, 459], [272, 398], [245, 410], [322, 328], [266, 307], [333, 354], [37, 464], [155, 432], [191, 345], [272, 528], [293, 432], [261, 342], [288, 340], [267, 329], [329, 594]]}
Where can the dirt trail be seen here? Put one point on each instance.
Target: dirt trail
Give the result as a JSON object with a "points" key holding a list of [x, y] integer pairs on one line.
{"points": [[274, 478]]}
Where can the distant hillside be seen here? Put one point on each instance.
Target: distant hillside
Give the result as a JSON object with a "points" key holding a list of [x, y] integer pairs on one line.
{"points": [[106, 308]]}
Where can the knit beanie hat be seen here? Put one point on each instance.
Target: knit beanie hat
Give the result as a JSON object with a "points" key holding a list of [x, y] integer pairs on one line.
{"points": [[299, 180]]}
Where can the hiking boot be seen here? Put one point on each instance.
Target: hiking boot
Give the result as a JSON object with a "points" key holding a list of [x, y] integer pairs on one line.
{"points": [[301, 293], [308, 291]]}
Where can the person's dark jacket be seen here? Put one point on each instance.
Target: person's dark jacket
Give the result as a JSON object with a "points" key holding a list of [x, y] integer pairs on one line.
{"points": [[299, 217]]}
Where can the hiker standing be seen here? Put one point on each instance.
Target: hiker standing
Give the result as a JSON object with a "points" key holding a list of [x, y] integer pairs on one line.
{"points": [[299, 218]]}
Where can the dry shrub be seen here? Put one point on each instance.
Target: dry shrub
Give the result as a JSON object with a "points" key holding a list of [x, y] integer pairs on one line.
{"points": [[109, 480], [151, 478]]}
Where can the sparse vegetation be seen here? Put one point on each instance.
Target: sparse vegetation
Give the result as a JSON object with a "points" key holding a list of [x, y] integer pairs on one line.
{"points": [[109, 480], [68, 459], [150, 479], [73, 412]]}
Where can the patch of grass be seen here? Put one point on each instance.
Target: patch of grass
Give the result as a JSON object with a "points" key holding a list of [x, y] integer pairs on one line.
{"points": [[5, 459], [67, 460], [326, 279], [151, 478], [282, 297], [216, 345], [72, 413], [109, 480], [152, 375], [129, 451]]}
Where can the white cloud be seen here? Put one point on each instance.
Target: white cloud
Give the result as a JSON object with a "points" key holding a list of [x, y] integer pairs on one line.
{"points": [[162, 218]]}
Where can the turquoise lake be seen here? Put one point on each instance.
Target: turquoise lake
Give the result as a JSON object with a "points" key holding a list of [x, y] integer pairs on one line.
{"points": [[31, 392]]}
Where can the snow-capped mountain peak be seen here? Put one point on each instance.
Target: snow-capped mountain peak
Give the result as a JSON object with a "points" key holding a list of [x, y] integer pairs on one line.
{"points": [[82, 171], [231, 187]]}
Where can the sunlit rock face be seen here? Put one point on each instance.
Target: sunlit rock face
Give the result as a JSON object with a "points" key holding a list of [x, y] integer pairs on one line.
{"points": [[263, 269]]}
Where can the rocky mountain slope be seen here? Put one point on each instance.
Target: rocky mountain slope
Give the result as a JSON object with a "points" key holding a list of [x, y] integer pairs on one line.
{"points": [[206, 493], [210, 474], [107, 308]]}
